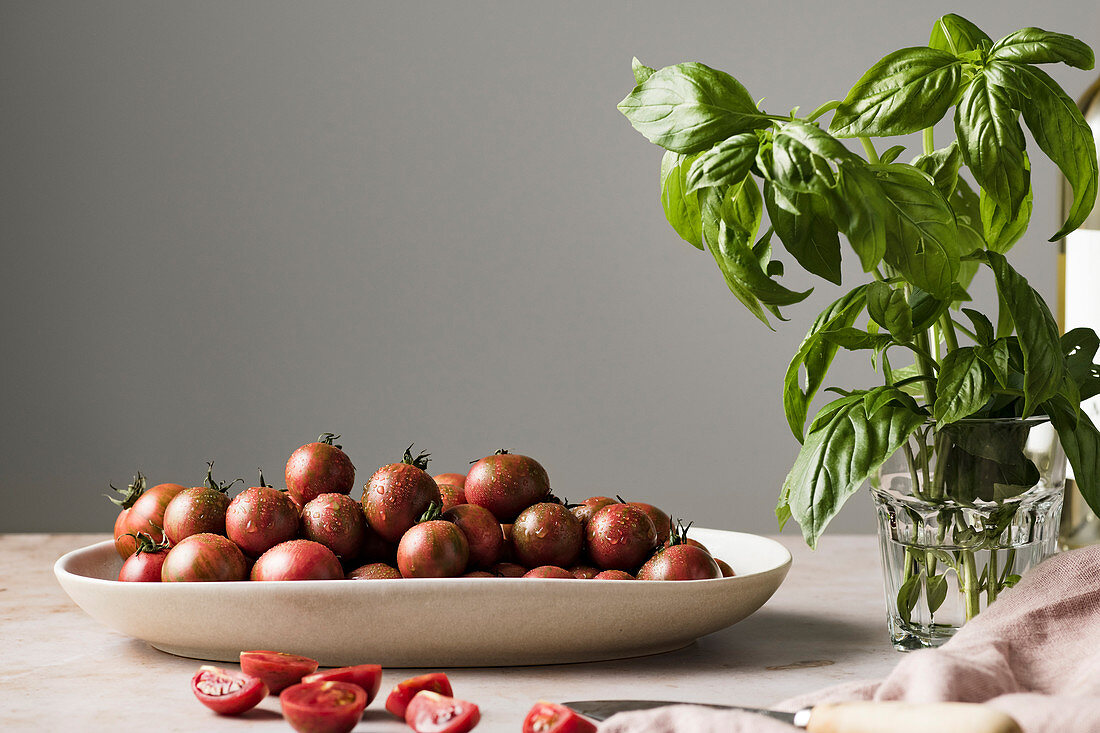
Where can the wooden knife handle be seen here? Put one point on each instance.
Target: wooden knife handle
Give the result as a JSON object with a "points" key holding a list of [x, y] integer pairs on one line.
{"points": [[906, 717]]}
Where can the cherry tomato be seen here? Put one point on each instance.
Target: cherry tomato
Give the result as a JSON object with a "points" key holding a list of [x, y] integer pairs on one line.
{"points": [[482, 532], [367, 676], [375, 571], [454, 479], [319, 468], [145, 564], [227, 692], [548, 717], [198, 510], [613, 575], [125, 542], [547, 534], [323, 707], [727, 571], [429, 712], [298, 560], [506, 484], [620, 537], [584, 572], [680, 562], [337, 522], [204, 557], [588, 507], [549, 571], [451, 495], [661, 521], [508, 570], [261, 517], [148, 510], [433, 549], [277, 669], [403, 692], [398, 494]]}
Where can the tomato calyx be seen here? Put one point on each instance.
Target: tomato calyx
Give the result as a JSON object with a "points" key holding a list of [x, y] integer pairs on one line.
{"points": [[433, 512], [678, 532], [130, 494], [263, 484], [146, 543], [218, 486], [421, 461], [328, 438]]}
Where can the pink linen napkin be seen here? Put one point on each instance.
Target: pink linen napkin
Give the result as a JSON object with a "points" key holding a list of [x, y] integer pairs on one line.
{"points": [[1034, 654]]}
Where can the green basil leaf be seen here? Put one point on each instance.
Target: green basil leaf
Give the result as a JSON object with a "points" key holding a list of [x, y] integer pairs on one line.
{"points": [[725, 164], [839, 456], [1081, 442], [957, 35], [926, 309], [995, 356], [880, 397], [1036, 330], [1079, 347], [688, 107], [908, 595], [853, 339], [682, 209], [1036, 46], [963, 386], [810, 236], [804, 158], [1059, 129], [983, 327], [891, 154], [862, 214], [815, 355], [936, 592], [998, 229], [921, 234], [641, 71], [737, 260], [967, 207], [906, 91], [992, 143], [943, 166], [889, 309]]}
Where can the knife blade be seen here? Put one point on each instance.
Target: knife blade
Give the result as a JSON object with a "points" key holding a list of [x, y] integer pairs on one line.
{"points": [[604, 709], [849, 717]]}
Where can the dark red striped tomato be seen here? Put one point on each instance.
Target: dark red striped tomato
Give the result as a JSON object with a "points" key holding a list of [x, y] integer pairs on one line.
{"points": [[367, 676], [403, 692], [204, 557], [298, 560], [259, 518], [227, 692], [278, 670], [318, 468], [323, 707]]}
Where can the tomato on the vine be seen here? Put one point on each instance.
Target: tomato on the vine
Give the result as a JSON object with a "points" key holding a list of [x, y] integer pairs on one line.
{"points": [[404, 691], [278, 670], [549, 717], [430, 712], [323, 707], [227, 692]]}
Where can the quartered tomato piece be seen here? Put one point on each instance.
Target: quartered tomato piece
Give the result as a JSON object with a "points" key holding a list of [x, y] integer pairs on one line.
{"points": [[548, 717], [429, 712], [323, 707], [367, 676], [227, 692], [278, 670], [404, 692]]}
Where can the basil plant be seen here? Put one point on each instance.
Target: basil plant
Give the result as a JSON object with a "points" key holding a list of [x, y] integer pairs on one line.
{"points": [[920, 230]]}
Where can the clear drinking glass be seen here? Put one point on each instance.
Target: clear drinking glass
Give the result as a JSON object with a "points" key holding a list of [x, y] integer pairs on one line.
{"points": [[963, 511]]}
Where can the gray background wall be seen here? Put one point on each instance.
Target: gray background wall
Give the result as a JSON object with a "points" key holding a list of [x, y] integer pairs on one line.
{"points": [[227, 227]]}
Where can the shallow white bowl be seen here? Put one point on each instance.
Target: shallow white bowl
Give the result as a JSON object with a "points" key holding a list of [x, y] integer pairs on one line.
{"points": [[427, 622]]}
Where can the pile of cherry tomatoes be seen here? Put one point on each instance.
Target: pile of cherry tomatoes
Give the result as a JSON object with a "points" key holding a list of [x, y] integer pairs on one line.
{"points": [[333, 700], [498, 520]]}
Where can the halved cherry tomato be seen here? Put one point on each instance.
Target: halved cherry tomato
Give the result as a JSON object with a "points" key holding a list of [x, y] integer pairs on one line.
{"points": [[432, 713], [549, 717], [367, 676], [403, 692], [278, 670], [227, 692], [323, 707]]}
